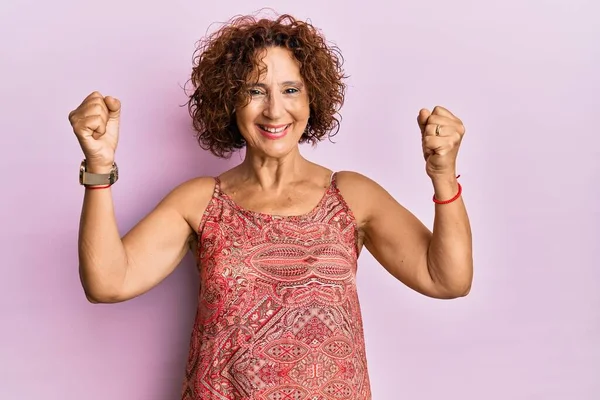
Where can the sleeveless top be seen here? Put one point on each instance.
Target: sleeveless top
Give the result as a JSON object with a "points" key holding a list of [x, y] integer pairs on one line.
{"points": [[278, 314]]}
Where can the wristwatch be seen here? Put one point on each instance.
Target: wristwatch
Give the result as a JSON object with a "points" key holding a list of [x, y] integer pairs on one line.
{"points": [[89, 179]]}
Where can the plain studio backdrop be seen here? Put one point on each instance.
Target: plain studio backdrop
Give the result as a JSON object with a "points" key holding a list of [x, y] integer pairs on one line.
{"points": [[523, 76]]}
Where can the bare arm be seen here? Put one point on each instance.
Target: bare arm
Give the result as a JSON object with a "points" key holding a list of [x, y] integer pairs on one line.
{"points": [[450, 251], [437, 264], [114, 269]]}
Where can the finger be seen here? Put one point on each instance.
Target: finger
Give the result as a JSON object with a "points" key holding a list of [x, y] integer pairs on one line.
{"points": [[91, 98], [441, 120], [91, 125], [93, 95], [422, 118], [435, 130], [97, 124], [446, 124], [437, 145], [444, 112], [431, 145], [113, 106], [94, 106], [441, 130]]}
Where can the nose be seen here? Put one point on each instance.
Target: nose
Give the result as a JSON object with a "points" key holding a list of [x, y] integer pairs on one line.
{"points": [[273, 108]]}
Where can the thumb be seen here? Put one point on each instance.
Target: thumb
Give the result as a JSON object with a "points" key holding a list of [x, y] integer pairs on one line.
{"points": [[422, 118], [114, 107]]}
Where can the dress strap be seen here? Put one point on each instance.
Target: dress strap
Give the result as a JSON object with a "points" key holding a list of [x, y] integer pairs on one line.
{"points": [[217, 189], [332, 180]]}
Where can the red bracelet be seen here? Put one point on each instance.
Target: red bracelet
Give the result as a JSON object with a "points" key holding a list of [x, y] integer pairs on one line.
{"points": [[436, 201], [98, 187]]}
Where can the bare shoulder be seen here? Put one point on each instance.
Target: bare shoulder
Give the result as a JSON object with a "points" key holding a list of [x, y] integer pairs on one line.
{"points": [[352, 178], [191, 198], [361, 193]]}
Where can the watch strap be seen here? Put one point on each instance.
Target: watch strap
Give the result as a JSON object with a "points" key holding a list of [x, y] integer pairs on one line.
{"points": [[91, 179], [95, 179]]}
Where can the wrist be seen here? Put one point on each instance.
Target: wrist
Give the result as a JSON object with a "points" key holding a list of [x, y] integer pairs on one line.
{"points": [[98, 167], [98, 174], [445, 187]]}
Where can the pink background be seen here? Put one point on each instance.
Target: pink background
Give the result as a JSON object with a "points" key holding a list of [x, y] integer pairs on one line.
{"points": [[522, 75]]}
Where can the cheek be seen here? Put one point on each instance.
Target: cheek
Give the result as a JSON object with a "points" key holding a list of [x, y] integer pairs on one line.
{"points": [[300, 110], [246, 115], [244, 123]]}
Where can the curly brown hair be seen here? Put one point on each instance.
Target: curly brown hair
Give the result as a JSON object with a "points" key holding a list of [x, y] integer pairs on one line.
{"points": [[223, 64]]}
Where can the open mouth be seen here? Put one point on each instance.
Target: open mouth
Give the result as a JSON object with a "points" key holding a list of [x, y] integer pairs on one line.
{"points": [[273, 131]]}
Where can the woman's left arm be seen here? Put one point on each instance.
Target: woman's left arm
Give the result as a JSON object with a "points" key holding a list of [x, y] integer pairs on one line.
{"points": [[438, 264], [449, 254]]}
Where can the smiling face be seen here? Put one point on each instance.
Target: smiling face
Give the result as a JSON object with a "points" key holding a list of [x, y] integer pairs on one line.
{"points": [[274, 120]]}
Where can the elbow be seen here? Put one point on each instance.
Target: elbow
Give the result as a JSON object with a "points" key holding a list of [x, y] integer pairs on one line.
{"points": [[462, 291], [98, 293], [456, 290], [449, 289], [454, 284], [91, 298], [96, 298], [101, 297]]}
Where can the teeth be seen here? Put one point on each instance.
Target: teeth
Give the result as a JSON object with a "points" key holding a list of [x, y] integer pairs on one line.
{"points": [[274, 130]]}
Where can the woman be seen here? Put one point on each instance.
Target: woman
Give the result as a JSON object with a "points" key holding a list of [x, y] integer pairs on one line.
{"points": [[277, 236]]}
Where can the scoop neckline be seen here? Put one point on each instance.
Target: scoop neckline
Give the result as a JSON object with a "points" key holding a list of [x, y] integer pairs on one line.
{"points": [[274, 217]]}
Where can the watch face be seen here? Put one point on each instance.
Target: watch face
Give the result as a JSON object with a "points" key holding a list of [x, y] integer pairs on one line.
{"points": [[114, 174], [81, 171]]}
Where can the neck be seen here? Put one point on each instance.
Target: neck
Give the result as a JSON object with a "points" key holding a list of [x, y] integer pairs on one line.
{"points": [[272, 173]]}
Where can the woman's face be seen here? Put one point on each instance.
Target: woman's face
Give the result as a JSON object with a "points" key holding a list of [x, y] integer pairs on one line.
{"points": [[273, 121]]}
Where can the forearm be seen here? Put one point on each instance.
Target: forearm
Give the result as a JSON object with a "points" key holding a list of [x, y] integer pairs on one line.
{"points": [[102, 256], [450, 259]]}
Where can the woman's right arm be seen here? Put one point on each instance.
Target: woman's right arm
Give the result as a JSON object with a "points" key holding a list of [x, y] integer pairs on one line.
{"points": [[114, 268]]}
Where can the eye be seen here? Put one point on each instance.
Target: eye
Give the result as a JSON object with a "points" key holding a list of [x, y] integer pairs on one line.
{"points": [[291, 91], [255, 92]]}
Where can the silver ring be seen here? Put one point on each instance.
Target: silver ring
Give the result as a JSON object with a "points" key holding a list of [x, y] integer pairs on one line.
{"points": [[437, 130]]}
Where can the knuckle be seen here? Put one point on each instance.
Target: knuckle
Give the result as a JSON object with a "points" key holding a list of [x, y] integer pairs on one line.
{"points": [[97, 108], [78, 129], [75, 119], [432, 119], [93, 108], [96, 119]]}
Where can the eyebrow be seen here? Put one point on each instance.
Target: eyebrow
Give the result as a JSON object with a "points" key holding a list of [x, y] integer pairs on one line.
{"points": [[285, 83]]}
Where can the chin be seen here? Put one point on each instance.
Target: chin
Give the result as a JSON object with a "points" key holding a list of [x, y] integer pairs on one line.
{"points": [[275, 146], [277, 149]]}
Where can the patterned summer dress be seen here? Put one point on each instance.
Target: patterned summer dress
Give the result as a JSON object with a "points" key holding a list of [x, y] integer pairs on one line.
{"points": [[278, 315]]}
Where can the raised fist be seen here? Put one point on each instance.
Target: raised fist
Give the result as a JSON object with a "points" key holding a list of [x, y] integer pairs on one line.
{"points": [[442, 133], [96, 125]]}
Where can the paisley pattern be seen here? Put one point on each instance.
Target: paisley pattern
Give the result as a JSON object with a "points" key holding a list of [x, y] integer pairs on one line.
{"points": [[278, 313]]}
